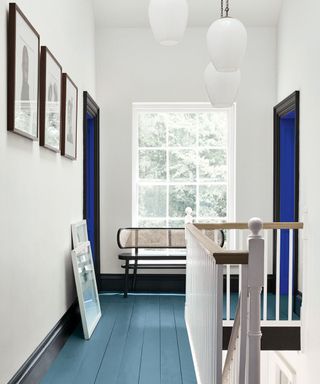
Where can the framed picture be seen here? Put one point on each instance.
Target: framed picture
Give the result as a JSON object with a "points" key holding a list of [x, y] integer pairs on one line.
{"points": [[50, 100], [23, 75], [69, 113], [79, 233], [86, 285]]}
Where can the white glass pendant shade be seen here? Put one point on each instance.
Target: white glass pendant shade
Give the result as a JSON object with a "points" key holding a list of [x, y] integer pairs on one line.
{"points": [[227, 42], [222, 87], [168, 20]]}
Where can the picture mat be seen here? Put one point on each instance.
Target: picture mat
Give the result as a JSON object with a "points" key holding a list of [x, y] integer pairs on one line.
{"points": [[52, 104], [70, 119]]}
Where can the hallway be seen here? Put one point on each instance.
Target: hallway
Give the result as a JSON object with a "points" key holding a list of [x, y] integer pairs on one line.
{"points": [[142, 339]]}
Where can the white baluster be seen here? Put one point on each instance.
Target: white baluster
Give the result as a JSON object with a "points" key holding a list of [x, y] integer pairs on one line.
{"points": [[208, 336], [210, 320], [228, 294], [239, 277], [278, 274], [265, 280], [241, 247], [219, 322], [255, 282], [290, 284], [243, 325]]}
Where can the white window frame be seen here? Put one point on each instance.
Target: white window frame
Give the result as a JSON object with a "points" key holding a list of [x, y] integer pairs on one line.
{"points": [[187, 108]]}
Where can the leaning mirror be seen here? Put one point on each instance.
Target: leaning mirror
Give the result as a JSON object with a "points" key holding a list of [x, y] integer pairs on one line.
{"points": [[79, 233], [86, 288]]}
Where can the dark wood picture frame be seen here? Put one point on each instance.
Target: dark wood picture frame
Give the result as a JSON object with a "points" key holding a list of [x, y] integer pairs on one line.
{"points": [[43, 95], [64, 110], [289, 104], [11, 62]]}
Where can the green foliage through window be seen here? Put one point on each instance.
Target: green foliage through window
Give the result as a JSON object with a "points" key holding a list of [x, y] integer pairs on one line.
{"points": [[182, 162]]}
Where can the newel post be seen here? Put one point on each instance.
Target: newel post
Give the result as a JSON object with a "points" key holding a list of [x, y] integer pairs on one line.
{"points": [[255, 283], [188, 219]]}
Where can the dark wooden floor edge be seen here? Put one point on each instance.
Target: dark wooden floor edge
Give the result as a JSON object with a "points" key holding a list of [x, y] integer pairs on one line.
{"points": [[273, 338], [168, 283], [38, 363], [148, 283]]}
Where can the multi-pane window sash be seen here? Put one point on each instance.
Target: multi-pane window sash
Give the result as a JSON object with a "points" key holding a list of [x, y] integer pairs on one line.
{"points": [[183, 159]]}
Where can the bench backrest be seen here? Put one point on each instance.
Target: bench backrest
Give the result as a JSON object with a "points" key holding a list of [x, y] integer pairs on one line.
{"points": [[159, 237], [151, 238]]}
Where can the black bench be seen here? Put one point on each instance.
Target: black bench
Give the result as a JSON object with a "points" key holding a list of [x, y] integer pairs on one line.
{"points": [[149, 246]]}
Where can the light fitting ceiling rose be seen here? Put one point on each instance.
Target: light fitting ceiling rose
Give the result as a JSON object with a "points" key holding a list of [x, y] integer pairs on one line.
{"points": [[168, 20], [222, 87], [226, 42]]}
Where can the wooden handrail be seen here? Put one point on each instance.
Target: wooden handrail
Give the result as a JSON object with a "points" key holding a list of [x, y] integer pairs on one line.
{"points": [[275, 225], [222, 256]]}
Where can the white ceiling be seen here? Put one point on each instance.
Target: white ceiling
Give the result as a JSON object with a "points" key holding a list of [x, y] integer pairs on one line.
{"points": [[134, 13]]}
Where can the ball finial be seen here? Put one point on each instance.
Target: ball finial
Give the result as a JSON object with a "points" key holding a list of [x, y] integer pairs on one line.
{"points": [[255, 225], [188, 218], [188, 211]]}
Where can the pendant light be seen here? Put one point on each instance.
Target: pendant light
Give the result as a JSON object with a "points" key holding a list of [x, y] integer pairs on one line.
{"points": [[168, 20], [226, 42], [222, 87]]}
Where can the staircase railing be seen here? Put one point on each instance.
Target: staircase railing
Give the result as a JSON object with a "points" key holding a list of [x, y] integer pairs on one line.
{"points": [[204, 308], [269, 261], [282, 282]]}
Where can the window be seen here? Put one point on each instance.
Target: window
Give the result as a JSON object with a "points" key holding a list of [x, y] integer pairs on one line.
{"points": [[182, 157]]}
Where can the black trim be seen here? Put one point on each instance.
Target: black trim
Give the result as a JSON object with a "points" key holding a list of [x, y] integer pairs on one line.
{"points": [[273, 338], [149, 283], [90, 107], [39, 362], [291, 103], [168, 283]]}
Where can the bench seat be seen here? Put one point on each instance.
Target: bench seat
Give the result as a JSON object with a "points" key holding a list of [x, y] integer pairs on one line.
{"points": [[152, 256], [157, 266]]}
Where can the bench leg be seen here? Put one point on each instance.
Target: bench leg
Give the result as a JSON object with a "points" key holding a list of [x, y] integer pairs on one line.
{"points": [[135, 275], [126, 278]]}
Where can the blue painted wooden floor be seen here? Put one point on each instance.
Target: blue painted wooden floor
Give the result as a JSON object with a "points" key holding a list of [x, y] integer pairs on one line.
{"points": [[141, 339]]}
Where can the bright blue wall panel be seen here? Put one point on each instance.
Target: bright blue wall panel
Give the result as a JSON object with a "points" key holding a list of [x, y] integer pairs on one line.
{"points": [[90, 199], [287, 191]]}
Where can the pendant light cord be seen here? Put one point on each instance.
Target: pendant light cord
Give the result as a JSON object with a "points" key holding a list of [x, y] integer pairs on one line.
{"points": [[226, 9]]}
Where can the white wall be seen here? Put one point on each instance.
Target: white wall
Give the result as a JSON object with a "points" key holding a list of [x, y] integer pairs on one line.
{"points": [[132, 67], [298, 69], [41, 192]]}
